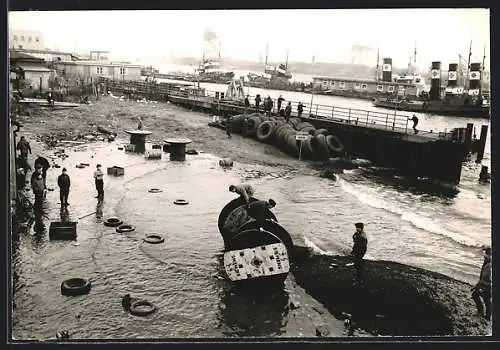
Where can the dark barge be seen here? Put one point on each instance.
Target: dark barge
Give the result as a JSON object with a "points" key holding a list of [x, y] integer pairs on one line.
{"points": [[386, 139]]}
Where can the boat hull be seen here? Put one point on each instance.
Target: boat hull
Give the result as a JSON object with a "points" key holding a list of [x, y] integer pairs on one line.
{"points": [[436, 108]]}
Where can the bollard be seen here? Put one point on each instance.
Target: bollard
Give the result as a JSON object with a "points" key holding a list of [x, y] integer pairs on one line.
{"points": [[138, 139], [254, 255], [482, 143], [177, 148]]}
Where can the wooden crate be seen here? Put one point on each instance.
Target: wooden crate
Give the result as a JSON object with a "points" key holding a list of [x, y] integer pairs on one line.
{"points": [[116, 171], [62, 230]]}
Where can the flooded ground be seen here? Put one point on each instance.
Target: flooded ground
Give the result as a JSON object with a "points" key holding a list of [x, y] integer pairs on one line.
{"points": [[182, 276]]}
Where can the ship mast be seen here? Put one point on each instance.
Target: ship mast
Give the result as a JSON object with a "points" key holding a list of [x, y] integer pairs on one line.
{"points": [[286, 63], [468, 62], [378, 59], [414, 59], [482, 68], [267, 52], [460, 73]]}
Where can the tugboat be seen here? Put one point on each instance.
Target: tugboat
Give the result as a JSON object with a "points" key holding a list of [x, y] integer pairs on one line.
{"points": [[456, 101], [210, 71], [274, 77]]}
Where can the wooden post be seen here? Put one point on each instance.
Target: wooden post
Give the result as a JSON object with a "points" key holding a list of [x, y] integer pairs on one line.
{"points": [[482, 143], [386, 120], [40, 87]]}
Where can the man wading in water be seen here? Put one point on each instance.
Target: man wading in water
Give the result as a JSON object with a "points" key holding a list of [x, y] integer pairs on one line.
{"points": [[359, 250], [258, 209], [481, 292], [99, 182], [245, 191]]}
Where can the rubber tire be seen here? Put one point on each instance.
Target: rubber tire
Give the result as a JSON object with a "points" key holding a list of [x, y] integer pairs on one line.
{"points": [[181, 202], [320, 147], [228, 209], [75, 286], [154, 190], [136, 312], [311, 130], [265, 131], [334, 145], [111, 222], [321, 132], [124, 228], [154, 239]]}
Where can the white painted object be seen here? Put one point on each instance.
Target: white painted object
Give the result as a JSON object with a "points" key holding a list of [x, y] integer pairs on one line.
{"points": [[266, 260]]}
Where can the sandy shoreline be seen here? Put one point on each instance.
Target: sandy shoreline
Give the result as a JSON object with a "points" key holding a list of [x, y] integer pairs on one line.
{"points": [[396, 299]]}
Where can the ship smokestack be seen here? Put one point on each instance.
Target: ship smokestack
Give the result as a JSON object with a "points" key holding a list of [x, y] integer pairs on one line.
{"points": [[387, 70], [475, 78], [452, 75], [435, 93]]}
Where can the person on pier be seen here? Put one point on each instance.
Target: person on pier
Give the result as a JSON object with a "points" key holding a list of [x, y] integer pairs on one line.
{"points": [[481, 292], [245, 191], [139, 123], [359, 250], [257, 102], [300, 109], [414, 119], [288, 111], [247, 104], [280, 101]]}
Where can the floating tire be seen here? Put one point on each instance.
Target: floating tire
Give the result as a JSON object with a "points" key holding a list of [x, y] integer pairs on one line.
{"points": [[154, 239], [320, 147], [265, 131], [154, 190], [75, 286], [334, 145], [112, 222], [321, 132], [181, 202], [136, 308], [124, 228]]}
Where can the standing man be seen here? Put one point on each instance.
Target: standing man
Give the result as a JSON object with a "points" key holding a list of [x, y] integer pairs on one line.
{"points": [[258, 209], [359, 250], [245, 191], [257, 102], [288, 111], [414, 119], [247, 104], [280, 101], [37, 185], [481, 292], [45, 165], [300, 109], [139, 123], [24, 147], [229, 125], [64, 183], [99, 182]]}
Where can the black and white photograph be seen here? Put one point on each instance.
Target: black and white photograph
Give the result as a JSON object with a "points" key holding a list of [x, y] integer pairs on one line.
{"points": [[290, 174]]}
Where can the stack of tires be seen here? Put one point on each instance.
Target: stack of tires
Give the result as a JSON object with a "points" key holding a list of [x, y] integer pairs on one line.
{"points": [[253, 255], [321, 144]]}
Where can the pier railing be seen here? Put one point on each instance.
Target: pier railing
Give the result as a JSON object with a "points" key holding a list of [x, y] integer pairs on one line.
{"points": [[393, 121]]}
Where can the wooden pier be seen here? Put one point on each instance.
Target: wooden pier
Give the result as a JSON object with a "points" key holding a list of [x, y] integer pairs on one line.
{"points": [[385, 138]]}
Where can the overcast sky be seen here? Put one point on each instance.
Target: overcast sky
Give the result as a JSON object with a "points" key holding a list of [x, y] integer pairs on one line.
{"points": [[440, 34]]}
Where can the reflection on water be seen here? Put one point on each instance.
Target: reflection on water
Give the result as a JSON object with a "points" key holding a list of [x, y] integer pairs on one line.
{"points": [[99, 210], [64, 214]]}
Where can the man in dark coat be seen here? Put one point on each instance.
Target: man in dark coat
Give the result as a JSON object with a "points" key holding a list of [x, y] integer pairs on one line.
{"points": [[45, 165], [25, 148], [257, 101], [288, 111], [481, 292], [300, 109], [64, 183], [280, 101], [247, 103], [414, 119], [37, 185], [359, 249], [229, 126]]}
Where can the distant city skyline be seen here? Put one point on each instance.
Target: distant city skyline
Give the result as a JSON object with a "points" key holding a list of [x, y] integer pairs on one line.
{"points": [[328, 35]]}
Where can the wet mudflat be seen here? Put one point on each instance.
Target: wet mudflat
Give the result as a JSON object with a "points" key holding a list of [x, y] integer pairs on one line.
{"points": [[182, 276]]}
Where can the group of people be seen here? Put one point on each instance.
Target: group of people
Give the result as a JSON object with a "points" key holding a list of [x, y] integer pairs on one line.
{"points": [[481, 292], [269, 105], [38, 179]]}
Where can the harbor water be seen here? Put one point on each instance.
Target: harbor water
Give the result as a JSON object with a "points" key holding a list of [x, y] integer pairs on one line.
{"points": [[183, 276]]}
